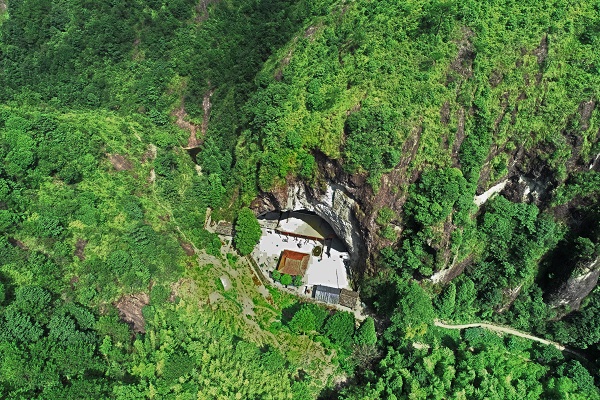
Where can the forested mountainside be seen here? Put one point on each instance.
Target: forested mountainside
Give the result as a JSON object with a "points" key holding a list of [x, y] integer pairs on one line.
{"points": [[459, 141]]}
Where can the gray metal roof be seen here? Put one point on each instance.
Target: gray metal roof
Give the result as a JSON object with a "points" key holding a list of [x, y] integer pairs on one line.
{"points": [[327, 294]]}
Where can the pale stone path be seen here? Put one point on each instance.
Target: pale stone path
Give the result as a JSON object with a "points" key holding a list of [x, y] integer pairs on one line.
{"points": [[510, 331]]}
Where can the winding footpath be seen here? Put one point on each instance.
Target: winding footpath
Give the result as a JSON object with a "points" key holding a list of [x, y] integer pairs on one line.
{"points": [[510, 331]]}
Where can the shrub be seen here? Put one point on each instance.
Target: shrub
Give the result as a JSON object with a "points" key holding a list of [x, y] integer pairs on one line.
{"points": [[446, 302], [366, 334], [247, 231], [286, 279], [431, 200], [276, 275], [303, 321], [159, 294], [372, 139], [320, 314], [340, 328], [385, 216], [387, 232]]}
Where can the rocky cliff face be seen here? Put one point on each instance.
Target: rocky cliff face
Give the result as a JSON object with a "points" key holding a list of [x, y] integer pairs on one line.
{"points": [[348, 203], [333, 203], [522, 169], [336, 207], [569, 295]]}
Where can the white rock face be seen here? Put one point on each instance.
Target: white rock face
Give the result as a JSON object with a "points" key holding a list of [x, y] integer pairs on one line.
{"points": [[595, 161], [440, 275], [482, 198], [576, 288], [534, 189], [335, 207]]}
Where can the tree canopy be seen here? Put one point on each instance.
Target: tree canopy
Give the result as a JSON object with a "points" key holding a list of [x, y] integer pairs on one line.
{"points": [[247, 232]]}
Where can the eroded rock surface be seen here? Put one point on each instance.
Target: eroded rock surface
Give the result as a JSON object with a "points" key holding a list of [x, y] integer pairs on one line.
{"points": [[334, 205], [130, 310], [569, 295], [120, 163]]}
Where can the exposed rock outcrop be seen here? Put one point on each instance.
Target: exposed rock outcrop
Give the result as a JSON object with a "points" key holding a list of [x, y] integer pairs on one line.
{"points": [[482, 198], [335, 205], [569, 295], [529, 188], [595, 163], [446, 275], [130, 310], [119, 162]]}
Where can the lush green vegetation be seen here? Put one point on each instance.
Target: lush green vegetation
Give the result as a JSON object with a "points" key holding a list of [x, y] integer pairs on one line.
{"points": [[394, 73], [423, 361], [73, 244], [247, 231], [428, 102]]}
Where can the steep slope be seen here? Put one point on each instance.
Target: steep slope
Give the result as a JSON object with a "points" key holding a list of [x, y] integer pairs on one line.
{"points": [[374, 95], [454, 146]]}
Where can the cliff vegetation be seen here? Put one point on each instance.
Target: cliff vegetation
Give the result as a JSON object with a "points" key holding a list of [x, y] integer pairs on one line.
{"points": [[123, 125]]}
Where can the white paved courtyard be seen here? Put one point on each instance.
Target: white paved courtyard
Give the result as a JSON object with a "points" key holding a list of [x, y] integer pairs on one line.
{"points": [[328, 269]]}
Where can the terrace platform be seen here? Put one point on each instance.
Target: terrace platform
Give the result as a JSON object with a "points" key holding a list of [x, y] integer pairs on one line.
{"points": [[302, 233]]}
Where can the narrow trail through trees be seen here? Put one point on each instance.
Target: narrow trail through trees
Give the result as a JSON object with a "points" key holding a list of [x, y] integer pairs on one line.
{"points": [[510, 331]]}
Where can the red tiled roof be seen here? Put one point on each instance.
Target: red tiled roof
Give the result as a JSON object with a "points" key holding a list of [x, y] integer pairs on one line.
{"points": [[293, 263]]}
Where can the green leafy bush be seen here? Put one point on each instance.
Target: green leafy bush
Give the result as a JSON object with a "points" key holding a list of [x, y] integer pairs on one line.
{"points": [[297, 280], [340, 328], [433, 198], [276, 275], [303, 321], [372, 138], [580, 184], [286, 279], [385, 215], [366, 334], [247, 231]]}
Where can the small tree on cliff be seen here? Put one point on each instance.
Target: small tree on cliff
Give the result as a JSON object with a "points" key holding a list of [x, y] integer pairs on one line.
{"points": [[366, 334], [446, 302], [247, 231]]}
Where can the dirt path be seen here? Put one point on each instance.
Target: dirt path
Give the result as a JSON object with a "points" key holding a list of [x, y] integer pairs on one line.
{"points": [[511, 331], [183, 122]]}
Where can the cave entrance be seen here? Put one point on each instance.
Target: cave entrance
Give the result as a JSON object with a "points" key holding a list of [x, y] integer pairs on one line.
{"points": [[300, 223], [193, 152], [289, 234]]}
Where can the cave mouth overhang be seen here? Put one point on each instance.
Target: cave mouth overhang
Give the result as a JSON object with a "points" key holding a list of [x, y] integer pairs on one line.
{"points": [[294, 236], [302, 223], [335, 207]]}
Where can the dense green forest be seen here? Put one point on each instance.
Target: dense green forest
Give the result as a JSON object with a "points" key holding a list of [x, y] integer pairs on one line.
{"points": [[123, 125]]}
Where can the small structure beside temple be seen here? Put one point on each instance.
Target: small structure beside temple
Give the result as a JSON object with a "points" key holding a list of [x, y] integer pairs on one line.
{"points": [[327, 294], [331, 295], [349, 298], [224, 228]]}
